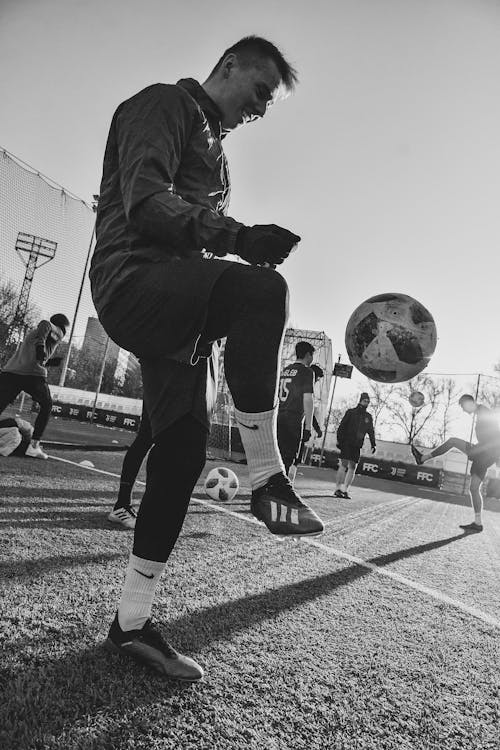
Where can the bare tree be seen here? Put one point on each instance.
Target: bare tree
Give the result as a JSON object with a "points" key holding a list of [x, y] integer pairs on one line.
{"points": [[411, 422], [381, 395], [450, 396]]}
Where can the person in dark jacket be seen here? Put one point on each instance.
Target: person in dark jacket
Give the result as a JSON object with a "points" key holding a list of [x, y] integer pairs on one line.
{"points": [[26, 371], [165, 290], [355, 424]]}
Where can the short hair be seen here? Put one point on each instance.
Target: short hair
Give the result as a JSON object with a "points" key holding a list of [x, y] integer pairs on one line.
{"points": [[302, 348], [252, 48], [318, 372], [60, 320], [466, 397]]}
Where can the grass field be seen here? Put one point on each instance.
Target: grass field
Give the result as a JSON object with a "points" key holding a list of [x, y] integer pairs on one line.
{"points": [[383, 633]]}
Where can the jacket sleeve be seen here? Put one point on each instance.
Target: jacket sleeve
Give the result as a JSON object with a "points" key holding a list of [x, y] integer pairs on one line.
{"points": [[42, 331], [152, 130], [342, 428]]}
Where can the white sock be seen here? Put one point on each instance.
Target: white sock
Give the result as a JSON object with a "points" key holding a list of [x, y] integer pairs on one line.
{"points": [[343, 488], [478, 518], [258, 435], [138, 592]]}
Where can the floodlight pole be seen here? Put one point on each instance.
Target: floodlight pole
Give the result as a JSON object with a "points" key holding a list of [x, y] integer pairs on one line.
{"points": [[328, 418]]}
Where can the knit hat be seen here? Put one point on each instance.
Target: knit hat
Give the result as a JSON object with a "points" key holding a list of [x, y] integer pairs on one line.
{"points": [[364, 396]]}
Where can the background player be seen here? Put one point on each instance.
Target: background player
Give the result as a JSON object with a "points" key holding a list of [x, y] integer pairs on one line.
{"points": [[355, 424], [301, 456], [26, 371], [296, 403], [123, 512], [483, 454]]}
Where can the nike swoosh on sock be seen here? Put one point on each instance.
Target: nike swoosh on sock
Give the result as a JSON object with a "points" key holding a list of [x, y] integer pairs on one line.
{"points": [[249, 426], [144, 574]]}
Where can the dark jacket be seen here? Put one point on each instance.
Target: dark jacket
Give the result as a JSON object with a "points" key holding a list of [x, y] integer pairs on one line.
{"points": [[165, 185], [355, 424]]}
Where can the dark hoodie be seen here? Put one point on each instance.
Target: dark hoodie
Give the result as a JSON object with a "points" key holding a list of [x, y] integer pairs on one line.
{"points": [[355, 424]]}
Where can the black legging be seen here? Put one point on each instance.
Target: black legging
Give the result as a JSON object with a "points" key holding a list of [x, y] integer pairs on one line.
{"points": [[36, 386], [249, 306], [174, 464], [133, 460]]}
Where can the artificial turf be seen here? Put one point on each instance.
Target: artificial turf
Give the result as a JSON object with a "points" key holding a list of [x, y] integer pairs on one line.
{"points": [[302, 648]]}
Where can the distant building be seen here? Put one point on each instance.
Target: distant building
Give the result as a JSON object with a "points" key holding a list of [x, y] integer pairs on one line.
{"points": [[94, 342]]}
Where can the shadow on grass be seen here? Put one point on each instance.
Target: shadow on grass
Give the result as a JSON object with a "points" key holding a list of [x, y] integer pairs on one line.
{"points": [[22, 569], [54, 693], [94, 519], [70, 493]]}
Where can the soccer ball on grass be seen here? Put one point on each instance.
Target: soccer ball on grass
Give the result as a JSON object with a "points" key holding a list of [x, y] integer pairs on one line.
{"points": [[221, 484]]}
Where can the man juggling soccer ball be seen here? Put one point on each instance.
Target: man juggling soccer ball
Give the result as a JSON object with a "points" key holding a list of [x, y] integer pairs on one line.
{"points": [[163, 292], [483, 454]]}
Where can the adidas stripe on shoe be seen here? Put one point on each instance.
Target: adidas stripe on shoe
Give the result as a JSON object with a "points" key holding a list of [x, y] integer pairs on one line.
{"points": [[279, 507]]}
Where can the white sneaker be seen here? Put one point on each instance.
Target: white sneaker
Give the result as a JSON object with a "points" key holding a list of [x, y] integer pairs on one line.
{"points": [[124, 516], [35, 452]]}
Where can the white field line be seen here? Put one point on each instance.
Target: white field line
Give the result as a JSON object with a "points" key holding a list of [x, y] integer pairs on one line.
{"points": [[328, 549]]}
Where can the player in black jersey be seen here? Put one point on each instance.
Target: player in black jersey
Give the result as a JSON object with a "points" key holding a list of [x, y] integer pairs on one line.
{"points": [[482, 454], [296, 407]]}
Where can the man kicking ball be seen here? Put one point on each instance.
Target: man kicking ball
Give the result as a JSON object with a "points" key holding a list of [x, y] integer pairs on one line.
{"points": [[163, 292], [483, 454]]}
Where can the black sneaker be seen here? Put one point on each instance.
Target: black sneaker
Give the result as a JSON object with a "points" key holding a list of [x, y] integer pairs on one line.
{"points": [[472, 528], [417, 455], [346, 496], [148, 647], [278, 506], [338, 493]]}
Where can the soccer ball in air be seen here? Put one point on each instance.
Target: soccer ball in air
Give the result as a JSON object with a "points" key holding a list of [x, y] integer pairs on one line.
{"points": [[221, 484], [390, 337], [416, 399]]}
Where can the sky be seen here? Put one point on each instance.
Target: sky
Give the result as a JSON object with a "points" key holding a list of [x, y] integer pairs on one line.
{"points": [[386, 160]]}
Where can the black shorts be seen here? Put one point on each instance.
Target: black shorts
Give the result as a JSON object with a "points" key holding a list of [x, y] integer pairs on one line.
{"points": [[482, 459], [289, 439], [350, 453], [169, 315]]}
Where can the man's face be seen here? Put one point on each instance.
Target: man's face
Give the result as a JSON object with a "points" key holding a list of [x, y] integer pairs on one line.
{"points": [[248, 91], [365, 403]]}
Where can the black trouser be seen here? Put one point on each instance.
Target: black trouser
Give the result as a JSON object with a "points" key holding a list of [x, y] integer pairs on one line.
{"points": [[35, 386], [249, 306], [133, 460]]}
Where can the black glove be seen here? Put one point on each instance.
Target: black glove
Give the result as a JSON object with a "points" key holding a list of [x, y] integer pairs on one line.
{"points": [[319, 433], [40, 353], [53, 362], [306, 436], [265, 243], [374, 448]]}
